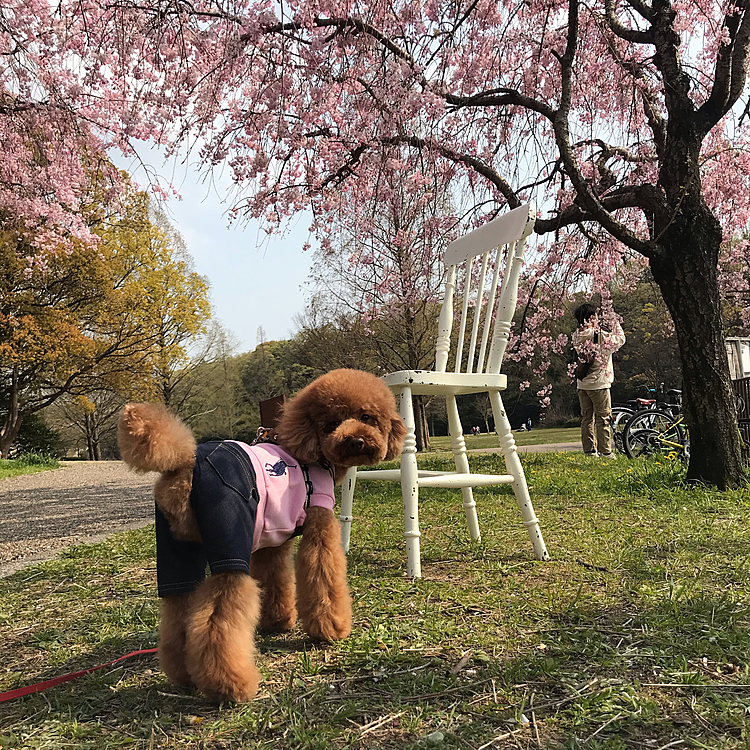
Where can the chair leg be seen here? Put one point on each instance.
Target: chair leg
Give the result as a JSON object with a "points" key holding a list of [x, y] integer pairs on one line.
{"points": [[410, 488], [515, 469], [458, 446], [347, 501]]}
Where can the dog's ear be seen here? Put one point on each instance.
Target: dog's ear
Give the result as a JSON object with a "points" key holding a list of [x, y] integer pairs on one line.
{"points": [[396, 438], [296, 430]]}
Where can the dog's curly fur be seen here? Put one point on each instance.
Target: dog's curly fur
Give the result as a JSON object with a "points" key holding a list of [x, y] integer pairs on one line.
{"points": [[346, 418]]}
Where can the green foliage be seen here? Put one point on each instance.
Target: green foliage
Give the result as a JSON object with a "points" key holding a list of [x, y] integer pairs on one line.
{"points": [[275, 368], [36, 437], [650, 355], [27, 463]]}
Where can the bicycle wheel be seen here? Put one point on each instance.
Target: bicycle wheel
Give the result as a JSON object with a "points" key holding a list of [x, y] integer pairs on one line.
{"points": [[650, 432], [620, 416]]}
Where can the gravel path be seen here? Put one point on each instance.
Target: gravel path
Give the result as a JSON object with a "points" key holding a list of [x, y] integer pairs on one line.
{"points": [[82, 501]]}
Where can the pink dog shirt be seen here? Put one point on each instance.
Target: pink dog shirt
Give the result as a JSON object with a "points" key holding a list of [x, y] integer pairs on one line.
{"points": [[245, 498], [283, 492]]}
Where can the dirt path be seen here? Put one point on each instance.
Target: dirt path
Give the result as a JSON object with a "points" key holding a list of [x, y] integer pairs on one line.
{"points": [[80, 502]]}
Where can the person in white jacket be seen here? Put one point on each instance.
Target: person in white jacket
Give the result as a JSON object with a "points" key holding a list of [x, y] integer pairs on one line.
{"points": [[596, 345]]}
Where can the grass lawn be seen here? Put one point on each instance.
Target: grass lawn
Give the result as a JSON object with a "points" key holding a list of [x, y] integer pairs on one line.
{"points": [[541, 436], [28, 464], [635, 635]]}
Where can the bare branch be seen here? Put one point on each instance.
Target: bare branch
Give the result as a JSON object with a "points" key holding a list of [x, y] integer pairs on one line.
{"points": [[500, 97], [643, 8]]}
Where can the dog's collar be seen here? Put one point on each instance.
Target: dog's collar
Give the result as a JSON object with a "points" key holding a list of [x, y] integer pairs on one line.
{"points": [[265, 435]]}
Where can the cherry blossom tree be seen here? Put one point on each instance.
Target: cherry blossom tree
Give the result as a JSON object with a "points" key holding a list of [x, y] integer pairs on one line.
{"points": [[622, 119]]}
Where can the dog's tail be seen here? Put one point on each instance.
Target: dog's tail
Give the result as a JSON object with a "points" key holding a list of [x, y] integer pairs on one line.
{"points": [[152, 439]]}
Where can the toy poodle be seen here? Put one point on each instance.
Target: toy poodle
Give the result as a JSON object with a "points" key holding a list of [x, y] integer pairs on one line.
{"points": [[237, 507]]}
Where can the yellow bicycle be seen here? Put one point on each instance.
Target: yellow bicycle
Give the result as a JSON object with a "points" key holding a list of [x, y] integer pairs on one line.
{"points": [[653, 432]]}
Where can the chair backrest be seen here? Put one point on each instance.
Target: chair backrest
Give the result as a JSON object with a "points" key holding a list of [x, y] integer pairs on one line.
{"points": [[500, 243]]}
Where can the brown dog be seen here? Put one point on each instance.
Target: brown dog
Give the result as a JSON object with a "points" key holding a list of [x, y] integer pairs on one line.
{"points": [[210, 501]]}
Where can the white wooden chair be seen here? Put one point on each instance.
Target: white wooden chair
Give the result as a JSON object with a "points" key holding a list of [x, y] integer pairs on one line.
{"points": [[499, 246]]}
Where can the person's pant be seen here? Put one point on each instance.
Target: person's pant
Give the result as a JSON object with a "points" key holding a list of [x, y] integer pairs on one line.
{"points": [[596, 420]]}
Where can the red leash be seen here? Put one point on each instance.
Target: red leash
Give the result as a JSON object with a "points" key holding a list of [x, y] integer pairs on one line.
{"points": [[39, 686]]}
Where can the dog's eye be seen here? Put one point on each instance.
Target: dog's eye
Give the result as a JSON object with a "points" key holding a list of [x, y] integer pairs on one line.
{"points": [[365, 418], [332, 425]]}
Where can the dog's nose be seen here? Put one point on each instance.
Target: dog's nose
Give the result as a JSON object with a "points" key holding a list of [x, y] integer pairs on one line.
{"points": [[356, 444]]}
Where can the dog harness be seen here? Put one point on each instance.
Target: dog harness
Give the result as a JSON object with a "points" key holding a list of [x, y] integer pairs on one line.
{"points": [[245, 497]]}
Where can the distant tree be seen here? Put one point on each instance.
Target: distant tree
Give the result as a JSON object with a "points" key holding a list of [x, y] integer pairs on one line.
{"points": [[274, 368], [213, 407], [328, 340], [92, 420], [651, 352], [91, 318], [385, 271], [157, 293]]}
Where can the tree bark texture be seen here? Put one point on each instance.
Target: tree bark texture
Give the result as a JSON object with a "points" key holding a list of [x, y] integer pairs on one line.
{"points": [[685, 268], [421, 431], [13, 419]]}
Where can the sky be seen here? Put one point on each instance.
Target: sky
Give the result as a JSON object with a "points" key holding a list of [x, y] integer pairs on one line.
{"points": [[256, 280]]}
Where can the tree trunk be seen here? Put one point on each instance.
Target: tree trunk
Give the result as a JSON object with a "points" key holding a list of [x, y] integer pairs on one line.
{"points": [[14, 418], [686, 271], [422, 432], [96, 447], [9, 433], [89, 442]]}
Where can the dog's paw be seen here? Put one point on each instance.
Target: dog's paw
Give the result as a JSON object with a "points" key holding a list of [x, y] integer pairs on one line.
{"points": [[326, 627], [222, 683], [272, 624], [239, 691]]}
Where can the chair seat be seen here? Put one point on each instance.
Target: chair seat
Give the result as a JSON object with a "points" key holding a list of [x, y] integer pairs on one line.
{"points": [[428, 382]]}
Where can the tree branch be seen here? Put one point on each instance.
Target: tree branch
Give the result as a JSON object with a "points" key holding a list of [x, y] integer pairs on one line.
{"points": [[731, 68], [474, 162], [641, 7], [630, 35], [500, 97], [676, 80], [591, 204]]}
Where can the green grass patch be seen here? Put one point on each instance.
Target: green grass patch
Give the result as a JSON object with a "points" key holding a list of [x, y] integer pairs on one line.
{"points": [[635, 635], [28, 463], [543, 436]]}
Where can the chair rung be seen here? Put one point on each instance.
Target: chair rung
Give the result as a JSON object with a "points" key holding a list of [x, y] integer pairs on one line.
{"points": [[452, 479], [393, 475], [444, 479]]}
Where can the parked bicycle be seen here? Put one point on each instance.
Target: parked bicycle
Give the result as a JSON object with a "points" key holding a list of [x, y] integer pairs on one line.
{"points": [[658, 430], [657, 399]]}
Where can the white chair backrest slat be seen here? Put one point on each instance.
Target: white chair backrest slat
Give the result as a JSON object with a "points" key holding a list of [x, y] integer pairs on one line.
{"points": [[477, 314], [488, 316], [464, 313], [506, 236], [500, 231], [507, 304], [445, 322]]}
